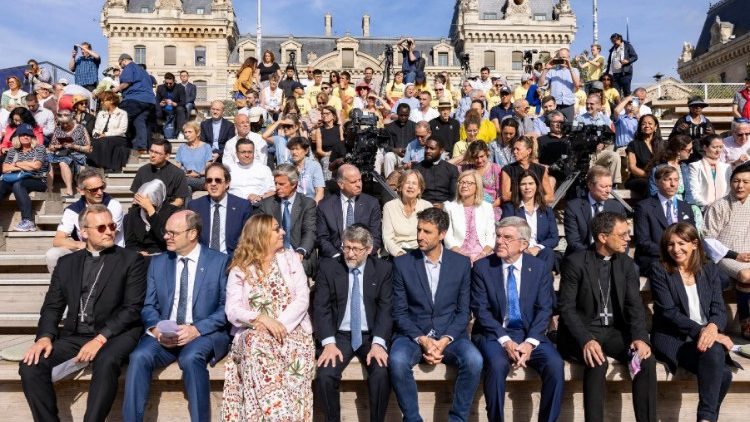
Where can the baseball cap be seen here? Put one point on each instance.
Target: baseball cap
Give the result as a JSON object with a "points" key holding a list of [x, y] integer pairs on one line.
{"points": [[296, 85], [63, 81], [255, 114], [505, 90], [124, 56], [597, 85], [24, 129]]}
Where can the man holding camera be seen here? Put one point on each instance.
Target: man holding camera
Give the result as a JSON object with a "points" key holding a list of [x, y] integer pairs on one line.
{"points": [[605, 154], [563, 82], [35, 74], [85, 66], [410, 60], [171, 99]]}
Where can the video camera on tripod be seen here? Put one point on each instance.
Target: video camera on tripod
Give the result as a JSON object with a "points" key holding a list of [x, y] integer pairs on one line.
{"points": [[364, 139]]}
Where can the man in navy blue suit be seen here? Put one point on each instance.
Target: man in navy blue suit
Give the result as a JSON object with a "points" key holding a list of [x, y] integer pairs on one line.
{"points": [[431, 294], [187, 286], [512, 299], [653, 215], [223, 214]]}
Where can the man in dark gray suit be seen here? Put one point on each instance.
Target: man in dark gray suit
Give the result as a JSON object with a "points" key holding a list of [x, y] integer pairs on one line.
{"points": [[295, 213], [191, 91]]}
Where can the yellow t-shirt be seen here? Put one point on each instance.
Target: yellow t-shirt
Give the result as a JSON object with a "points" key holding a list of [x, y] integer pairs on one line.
{"points": [[593, 72], [334, 102], [487, 132], [311, 93], [520, 93], [304, 105], [348, 93], [460, 147], [493, 99], [395, 91]]}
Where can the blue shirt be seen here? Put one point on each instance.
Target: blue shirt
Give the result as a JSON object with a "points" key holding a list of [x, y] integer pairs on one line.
{"points": [[194, 159], [414, 152], [282, 152], [310, 178], [600, 119], [464, 104], [499, 113], [625, 127], [406, 65], [140, 88], [216, 126], [413, 103], [86, 70], [561, 85]]}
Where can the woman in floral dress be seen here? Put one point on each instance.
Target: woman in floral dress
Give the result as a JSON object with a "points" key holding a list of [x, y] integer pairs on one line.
{"points": [[477, 158], [269, 372]]}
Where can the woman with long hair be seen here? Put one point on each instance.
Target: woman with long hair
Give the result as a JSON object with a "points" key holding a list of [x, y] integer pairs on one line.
{"points": [[267, 68], [501, 149], [646, 142], [269, 372], [472, 220], [477, 158], [523, 149], [472, 123], [328, 134], [248, 77], [395, 90], [527, 202], [18, 116], [333, 79], [690, 317]]}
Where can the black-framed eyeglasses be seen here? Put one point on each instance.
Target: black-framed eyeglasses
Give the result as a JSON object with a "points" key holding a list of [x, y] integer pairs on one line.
{"points": [[101, 228]]}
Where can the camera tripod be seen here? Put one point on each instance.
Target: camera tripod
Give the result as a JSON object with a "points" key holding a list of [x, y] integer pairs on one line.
{"points": [[387, 64], [577, 179]]}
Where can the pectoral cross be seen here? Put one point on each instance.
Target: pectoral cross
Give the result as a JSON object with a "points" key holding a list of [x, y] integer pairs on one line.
{"points": [[83, 315], [605, 315]]}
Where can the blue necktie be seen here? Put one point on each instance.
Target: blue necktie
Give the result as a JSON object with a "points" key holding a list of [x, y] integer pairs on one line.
{"points": [[349, 213], [355, 320], [286, 223], [182, 304], [670, 214], [514, 308]]}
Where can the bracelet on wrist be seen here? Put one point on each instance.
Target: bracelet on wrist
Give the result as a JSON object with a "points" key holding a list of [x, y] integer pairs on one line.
{"points": [[101, 339]]}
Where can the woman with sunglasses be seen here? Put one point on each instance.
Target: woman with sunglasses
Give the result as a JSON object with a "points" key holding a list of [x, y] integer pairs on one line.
{"points": [[477, 158], [333, 80], [82, 116], [326, 136], [194, 157], [24, 170], [14, 96], [146, 218], [610, 94], [69, 146], [333, 101], [271, 364], [18, 116]]}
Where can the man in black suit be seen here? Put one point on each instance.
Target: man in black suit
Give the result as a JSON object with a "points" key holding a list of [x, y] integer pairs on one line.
{"points": [[191, 92], [223, 214], [103, 287], [217, 130], [653, 215], [352, 316], [580, 211], [295, 213], [439, 175], [349, 206], [170, 100], [602, 315]]}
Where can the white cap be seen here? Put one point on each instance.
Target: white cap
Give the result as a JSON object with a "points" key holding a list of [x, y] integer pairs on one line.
{"points": [[255, 114]]}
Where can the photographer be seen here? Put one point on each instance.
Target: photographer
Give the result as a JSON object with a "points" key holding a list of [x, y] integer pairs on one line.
{"points": [[552, 146], [410, 61], [35, 75], [85, 66], [605, 154], [563, 82], [171, 100], [626, 123]]}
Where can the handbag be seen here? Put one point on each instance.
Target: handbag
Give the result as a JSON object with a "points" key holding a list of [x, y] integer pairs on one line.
{"points": [[15, 176]]}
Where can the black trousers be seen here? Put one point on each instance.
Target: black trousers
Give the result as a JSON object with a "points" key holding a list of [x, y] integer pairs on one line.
{"points": [[714, 376], [615, 344], [37, 379], [328, 380]]}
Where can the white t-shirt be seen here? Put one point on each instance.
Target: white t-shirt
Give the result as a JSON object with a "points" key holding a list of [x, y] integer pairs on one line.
{"points": [[69, 221], [229, 158], [255, 179]]}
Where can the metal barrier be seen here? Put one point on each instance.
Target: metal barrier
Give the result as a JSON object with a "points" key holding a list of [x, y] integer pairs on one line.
{"points": [[683, 91]]}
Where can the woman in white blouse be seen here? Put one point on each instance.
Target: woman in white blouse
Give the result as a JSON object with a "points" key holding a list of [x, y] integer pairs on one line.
{"points": [[400, 214], [472, 220], [110, 149], [708, 178]]}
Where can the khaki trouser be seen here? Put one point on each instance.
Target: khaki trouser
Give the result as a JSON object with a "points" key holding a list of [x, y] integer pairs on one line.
{"points": [[53, 255], [610, 159]]}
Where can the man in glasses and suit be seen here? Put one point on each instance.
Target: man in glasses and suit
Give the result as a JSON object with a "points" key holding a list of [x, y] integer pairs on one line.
{"points": [[186, 289], [296, 214], [223, 214], [102, 286]]}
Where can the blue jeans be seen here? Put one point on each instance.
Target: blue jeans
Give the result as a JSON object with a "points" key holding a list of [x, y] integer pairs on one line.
{"points": [[405, 353], [621, 81], [150, 355], [21, 191], [141, 118], [410, 76]]}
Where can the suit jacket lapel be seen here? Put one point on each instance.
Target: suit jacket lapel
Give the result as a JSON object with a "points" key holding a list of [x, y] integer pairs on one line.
{"points": [[618, 279], [369, 286], [341, 287], [676, 280], [169, 282], [499, 275], [338, 214], [526, 290], [76, 287], [659, 211], [704, 293], [422, 276], [593, 277], [200, 275]]}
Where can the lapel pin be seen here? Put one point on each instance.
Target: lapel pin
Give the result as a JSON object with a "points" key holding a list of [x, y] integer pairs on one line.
{"points": [[201, 269]]}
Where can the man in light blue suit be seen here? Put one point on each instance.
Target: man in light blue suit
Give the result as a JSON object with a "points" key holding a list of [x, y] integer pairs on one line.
{"points": [[512, 300], [186, 285], [431, 292]]}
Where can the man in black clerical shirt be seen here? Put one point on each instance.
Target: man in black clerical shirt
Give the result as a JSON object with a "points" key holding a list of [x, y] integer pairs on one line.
{"points": [[444, 127], [439, 175], [401, 131], [103, 287], [553, 145], [602, 315], [159, 167]]}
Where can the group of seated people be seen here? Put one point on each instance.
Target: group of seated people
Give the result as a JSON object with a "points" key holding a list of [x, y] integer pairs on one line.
{"points": [[290, 290]]}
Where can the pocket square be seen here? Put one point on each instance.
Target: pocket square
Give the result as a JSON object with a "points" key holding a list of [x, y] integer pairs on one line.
{"points": [[686, 217]]}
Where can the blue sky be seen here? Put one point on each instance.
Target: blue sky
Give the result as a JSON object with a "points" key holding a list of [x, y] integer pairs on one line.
{"points": [[46, 29]]}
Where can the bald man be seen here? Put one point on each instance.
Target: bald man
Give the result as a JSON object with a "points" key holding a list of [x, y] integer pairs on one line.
{"points": [[217, 130], [350, 206]]}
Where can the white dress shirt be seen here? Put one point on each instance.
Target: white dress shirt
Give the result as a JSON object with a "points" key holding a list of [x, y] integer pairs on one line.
{"points": [[517, 273], [694, 305], [222, 222], [531, 219], [192, 269], [663, 201]]}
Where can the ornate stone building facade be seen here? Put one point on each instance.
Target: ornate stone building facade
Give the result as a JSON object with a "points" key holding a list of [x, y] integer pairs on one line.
{"points": [[202, 37], [722, 53]]}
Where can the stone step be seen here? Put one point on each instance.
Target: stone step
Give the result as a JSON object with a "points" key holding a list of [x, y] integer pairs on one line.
{"points": [[28, 242]]}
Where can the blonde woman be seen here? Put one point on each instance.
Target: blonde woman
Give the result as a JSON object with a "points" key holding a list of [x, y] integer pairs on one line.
{"points": [[400, 214], [269, 371], [194, 156], [472, 220]]}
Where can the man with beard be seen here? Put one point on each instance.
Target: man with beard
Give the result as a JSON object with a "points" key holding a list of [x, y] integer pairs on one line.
{"points": [[349, 321], [439, 175]]}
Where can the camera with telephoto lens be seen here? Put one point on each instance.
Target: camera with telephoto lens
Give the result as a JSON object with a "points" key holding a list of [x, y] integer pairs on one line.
{"points": [[363, 139], [581, 141]]}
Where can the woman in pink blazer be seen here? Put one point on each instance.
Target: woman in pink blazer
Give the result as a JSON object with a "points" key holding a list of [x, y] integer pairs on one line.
{"points": [[271, 364]]}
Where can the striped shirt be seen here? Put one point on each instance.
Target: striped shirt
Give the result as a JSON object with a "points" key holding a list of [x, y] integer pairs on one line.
{"points": [[86, 69], [39, 153]]}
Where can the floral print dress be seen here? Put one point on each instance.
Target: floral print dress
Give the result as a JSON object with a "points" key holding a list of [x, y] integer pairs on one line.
{"points": [[266, 380]]}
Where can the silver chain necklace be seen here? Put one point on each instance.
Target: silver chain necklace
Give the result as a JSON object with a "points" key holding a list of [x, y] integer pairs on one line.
{"points": [[605, 314], [82, 305]]}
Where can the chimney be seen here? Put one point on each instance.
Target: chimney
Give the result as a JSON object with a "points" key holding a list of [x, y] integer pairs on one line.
{"points": [[365, 26], [328, 22]]}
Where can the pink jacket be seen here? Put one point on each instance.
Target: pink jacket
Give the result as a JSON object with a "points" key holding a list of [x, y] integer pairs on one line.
{"points": [[237, 307]]}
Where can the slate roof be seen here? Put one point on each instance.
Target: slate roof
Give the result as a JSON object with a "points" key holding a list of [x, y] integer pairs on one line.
{"points": [[734, 11], [188, 6]]}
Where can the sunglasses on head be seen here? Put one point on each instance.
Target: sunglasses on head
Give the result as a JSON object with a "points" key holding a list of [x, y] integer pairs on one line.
{"points": [[101, 228]]}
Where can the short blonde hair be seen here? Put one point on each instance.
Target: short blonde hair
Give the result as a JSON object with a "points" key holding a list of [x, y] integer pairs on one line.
{"points": [[16, 142], [193, 125], [474, 175]]}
